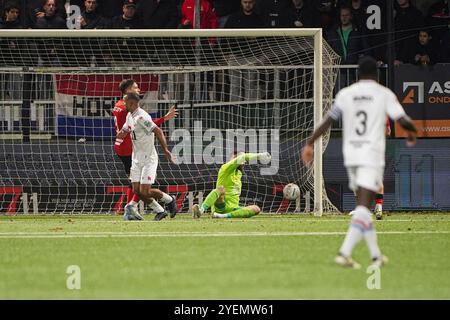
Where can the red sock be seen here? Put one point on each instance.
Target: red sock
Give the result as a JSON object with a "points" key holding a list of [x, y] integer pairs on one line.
{"points": [[135, 198], [130, 194], [379, 199]]}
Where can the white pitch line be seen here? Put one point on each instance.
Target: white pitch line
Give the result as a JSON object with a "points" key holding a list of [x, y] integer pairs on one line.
{"points": [[119, 220], [46, 235]]}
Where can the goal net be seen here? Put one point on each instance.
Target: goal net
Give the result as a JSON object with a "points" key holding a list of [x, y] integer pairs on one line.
{"points": [[245, 90]]}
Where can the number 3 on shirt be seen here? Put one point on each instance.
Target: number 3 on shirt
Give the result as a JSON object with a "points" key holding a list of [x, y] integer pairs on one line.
{"points": [[362, 117]]}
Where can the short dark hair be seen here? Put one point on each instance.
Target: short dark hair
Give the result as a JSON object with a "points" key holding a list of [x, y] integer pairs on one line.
{"points": [[11, 5], [367, 67], [132, 97], [346, 7], [125, 84]]}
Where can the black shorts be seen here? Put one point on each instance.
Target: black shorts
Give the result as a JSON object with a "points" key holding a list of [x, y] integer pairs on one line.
{"points": [[126, 160]]}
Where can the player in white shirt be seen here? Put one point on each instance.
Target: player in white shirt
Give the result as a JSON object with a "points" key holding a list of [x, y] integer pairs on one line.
{"points": [[144, 157], [363, 107]]}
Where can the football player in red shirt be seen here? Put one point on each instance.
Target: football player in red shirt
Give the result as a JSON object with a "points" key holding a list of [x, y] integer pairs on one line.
{"points": [[124, 148], [379, 196]]}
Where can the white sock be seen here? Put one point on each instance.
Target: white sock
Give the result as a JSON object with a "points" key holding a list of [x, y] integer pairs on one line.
{"points": [[379, 206], [220, 215], [353, 236], [133, 203], [202, 210], [361, 219], [166, 198], [371, 240], [155, 206]]}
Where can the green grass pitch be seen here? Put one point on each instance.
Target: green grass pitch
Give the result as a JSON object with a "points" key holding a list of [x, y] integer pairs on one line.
{"points": [[265, 257]]}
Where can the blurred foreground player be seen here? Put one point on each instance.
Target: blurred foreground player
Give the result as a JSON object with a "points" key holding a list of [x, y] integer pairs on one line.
{"points": [[363, 107]]}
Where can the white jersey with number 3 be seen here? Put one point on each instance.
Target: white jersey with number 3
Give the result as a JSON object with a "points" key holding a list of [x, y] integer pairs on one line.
{"points": [[140, 125], [363, 107]]}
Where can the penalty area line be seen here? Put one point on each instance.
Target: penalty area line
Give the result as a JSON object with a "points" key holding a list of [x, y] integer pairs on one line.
{"points": [[46, 235]]}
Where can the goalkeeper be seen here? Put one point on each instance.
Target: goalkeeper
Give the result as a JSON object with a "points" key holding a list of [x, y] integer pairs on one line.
{"points": [[224, 200]]}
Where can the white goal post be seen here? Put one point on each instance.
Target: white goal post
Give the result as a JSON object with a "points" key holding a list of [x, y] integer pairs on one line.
{"points": [[253, 82]]}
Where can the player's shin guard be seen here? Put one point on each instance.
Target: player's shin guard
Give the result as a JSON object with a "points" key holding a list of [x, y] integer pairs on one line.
{"points": [[242, 213]]}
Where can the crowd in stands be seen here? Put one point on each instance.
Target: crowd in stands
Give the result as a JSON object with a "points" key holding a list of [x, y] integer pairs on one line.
{"points": [[420, 37]]}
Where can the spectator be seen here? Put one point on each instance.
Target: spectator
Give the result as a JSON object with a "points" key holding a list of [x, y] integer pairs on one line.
{"points": [[346, 40], [377, 36], [48, 19], [110, 8], [445, 46], [273, 12], [438, 16], [158, 14], [424, 52], [90, 18], [208, 18], [128, 19], [243, 83], [359, 15], [327, 13], [349, 43], [408, 20], [10, 18], [245, 17], [224, 8], [35, 9], [302, 15], [9, 47]]}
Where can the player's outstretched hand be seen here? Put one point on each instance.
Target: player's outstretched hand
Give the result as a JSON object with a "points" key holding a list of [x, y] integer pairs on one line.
{"points": [[411, 139], [169, 156], [172, 113], [307, 154]]}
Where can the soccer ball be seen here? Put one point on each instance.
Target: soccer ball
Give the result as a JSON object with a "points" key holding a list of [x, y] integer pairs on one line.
{"points": [[291, 191]]}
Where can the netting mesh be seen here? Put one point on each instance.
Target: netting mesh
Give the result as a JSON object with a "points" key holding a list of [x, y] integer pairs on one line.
{"points": [[248, 93]]}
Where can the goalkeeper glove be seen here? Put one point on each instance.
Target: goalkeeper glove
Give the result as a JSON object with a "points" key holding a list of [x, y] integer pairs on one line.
{"points": [[264, 157]]}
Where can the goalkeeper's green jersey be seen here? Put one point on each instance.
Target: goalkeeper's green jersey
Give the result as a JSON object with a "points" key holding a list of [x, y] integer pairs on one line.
{"points": [[231, 178]]}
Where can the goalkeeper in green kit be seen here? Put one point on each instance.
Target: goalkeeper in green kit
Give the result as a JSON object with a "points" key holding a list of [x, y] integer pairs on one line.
{"points": [[224, 200]]}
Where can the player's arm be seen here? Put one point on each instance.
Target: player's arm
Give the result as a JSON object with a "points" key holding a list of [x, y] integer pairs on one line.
{"points": [[124, 131], [245, 157], [388, 127], [411, 131], [162, 140], [171, 114], [308, 149]]}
